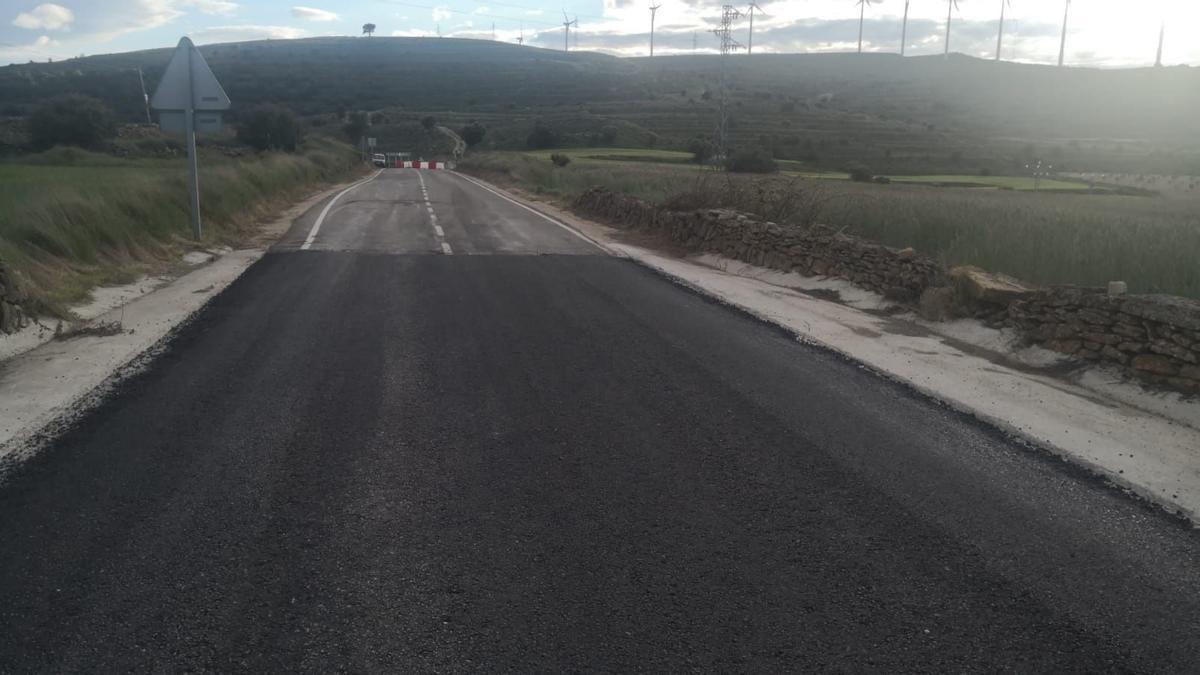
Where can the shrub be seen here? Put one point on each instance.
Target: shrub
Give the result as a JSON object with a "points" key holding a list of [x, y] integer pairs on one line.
{"points": [[755, 160], [473, 134], [71, 119], [429, 122], [701, 149], [859, 172], [541, 138], [270, 127], [559, 159], [357, 126]]}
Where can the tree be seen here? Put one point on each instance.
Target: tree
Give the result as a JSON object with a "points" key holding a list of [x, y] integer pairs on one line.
{"points": [[368, 29], [71, 119], [270, 127], [429, 122], [357, 126], [859, 172], [753, 160], [473, 134], [542, 137], [701, 149]]}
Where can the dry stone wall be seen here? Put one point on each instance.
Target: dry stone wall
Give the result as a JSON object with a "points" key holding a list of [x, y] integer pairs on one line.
{"points": [[1155, 337], [898, 274]]}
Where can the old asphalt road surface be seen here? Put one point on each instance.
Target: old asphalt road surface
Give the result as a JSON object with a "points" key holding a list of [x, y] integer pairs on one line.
{"points": [[472, 442]]}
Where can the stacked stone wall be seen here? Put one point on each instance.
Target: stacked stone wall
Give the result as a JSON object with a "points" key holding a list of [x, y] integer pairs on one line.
{"points": [[1155, 337]]}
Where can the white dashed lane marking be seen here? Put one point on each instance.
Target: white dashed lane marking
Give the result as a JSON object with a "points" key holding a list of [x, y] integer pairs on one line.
{"points": [[437, 229]]}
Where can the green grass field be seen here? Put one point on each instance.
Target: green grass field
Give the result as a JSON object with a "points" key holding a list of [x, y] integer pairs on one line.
{"points": [[1153, 243], [1026, 183], [71, 220], [798, 169]]}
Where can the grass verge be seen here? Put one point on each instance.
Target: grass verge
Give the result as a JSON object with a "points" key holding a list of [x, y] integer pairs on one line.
{"points": [[71, 220]]}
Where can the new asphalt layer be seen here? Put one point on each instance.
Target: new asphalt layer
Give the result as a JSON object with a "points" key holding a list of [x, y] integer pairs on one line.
{"points": [[373, 455]]}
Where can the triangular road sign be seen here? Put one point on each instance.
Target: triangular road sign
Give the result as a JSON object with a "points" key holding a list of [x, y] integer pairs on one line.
{"points": [[189, 83]]}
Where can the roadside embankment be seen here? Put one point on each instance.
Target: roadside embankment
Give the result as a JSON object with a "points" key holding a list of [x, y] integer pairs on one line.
{"points": [[1155, 338], [71, 221]]}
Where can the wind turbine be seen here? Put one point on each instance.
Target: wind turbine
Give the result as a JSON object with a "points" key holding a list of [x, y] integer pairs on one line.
{"points": [[653, 11], [1062, 49], [1162, 32], [952, 5], [904, 29], [862, 15], [521, 37], [750, 42], [567, 23], [1000, 36]]}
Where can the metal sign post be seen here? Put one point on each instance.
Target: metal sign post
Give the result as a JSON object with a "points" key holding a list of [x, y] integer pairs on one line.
{"points": [[189, 87]]}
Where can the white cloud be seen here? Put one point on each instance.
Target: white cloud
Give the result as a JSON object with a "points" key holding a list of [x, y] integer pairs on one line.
{"points": [[243, 33], [213, 7], [45, 17], [313, 14], [482, 10], [441, 13]]}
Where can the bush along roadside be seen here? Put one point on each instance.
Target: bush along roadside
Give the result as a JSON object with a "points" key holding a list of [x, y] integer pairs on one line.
{"points": [[1155, 338], [12, 301], [101, 220]]}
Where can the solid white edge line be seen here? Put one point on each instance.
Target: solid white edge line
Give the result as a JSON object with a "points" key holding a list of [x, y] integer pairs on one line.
{"points": [[312, 234], [534, 211]]}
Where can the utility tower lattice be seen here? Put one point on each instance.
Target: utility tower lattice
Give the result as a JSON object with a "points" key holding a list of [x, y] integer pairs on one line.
{"points": [[724, 33], [729, 14]]}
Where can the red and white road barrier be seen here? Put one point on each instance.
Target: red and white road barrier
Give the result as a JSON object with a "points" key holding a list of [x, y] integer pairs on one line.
{"points": [[409, 164]]}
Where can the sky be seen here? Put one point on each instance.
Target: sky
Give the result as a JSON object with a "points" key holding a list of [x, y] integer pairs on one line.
{"points": [[1102, 33]]}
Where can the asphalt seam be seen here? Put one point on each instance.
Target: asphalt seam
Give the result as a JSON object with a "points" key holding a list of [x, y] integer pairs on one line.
{"points": [[534, 211], [312, 234]]}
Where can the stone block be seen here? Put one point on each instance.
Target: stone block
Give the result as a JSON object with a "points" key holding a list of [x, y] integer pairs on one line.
{"points": [[1065, 346], [1155, 364], [976, 285], [1168, 348]]}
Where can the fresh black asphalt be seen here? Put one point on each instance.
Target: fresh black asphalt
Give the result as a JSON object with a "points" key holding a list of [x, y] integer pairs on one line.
{"points": [[395, 460]]}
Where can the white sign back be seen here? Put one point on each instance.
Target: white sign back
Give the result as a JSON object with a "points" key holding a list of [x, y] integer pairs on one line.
{"points": [[188, 83]]}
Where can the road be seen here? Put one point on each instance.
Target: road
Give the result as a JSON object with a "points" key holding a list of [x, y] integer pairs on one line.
{"points": [[470, 441]]}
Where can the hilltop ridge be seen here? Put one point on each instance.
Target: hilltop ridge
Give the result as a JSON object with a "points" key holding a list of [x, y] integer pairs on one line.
{"points": [[820, 108]]}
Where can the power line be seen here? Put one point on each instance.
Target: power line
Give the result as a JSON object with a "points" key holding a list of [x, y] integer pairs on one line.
{"points": [[464, 13], [539, 9]]}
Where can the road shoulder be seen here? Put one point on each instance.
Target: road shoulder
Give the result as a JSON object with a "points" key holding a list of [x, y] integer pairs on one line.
{"points": [[1146, 445], [46, 385]]}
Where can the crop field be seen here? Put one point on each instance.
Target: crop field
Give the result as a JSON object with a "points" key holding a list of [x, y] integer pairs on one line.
{"points": [[1153, 243]]}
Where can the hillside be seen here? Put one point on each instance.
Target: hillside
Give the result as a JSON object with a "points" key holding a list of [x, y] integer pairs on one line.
{"points": [[924, 114]]}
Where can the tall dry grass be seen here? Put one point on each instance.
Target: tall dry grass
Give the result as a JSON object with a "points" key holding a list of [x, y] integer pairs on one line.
{"points": [[70, 220]]}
